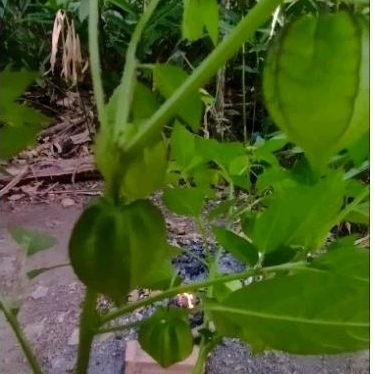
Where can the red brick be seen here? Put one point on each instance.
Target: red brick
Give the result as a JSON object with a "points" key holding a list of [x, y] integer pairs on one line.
{"points": [[139, 362]]}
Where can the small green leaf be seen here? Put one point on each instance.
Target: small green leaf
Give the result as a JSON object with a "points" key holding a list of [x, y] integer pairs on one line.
{"points": [[318, 311], [31, 241], [198, 14], [35, 272], [193, 23], [166, 336], [359, 214], [161, 277], [149, 167], [185, 201], [167, 79], [182, 144], [222, 208], [221, 153], [240, 247]]}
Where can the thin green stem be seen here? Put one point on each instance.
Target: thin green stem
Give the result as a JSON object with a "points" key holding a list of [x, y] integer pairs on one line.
{"points": [[200, 362], [14, 324], [244, 97], [259, 14], [127, 85], [95, 66], [342, 214], [127, 326], [196, 286], [88, 328]]}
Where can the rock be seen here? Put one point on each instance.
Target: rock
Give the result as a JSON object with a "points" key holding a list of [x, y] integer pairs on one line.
{"points": [[74, 338], [34, 330], [67, 202], [39, 292]]}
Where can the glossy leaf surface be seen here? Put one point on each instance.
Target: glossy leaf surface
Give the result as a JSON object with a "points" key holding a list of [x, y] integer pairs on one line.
{"points": [[310, 312]]}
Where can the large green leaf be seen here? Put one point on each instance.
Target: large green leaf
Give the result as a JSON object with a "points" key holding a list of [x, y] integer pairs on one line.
{"points": [[348, 260], [323, 110], [300, 215], [310, 312], [167, 79], [31, 241], [239, 246]]}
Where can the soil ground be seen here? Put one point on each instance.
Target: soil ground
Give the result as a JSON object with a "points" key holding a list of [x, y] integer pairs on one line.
{"points": [[51, 302]]}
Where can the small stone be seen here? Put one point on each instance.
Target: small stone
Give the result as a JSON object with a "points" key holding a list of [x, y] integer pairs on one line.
{"points": [[67, 202], [16, 197], [74, 338], [61, 317], [40, 292], [34, 329]]}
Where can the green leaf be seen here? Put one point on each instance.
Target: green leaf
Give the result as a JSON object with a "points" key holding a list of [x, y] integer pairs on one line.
{"points": [[182, 144], [300, 215], [14, 84], [161, 277], [185, 201], [321, 110], [35, 272], [222, 208], [144, 102], [193, 23], [198, 14], [347, 260], [149, 167], [31, 241], [359, 214], [166, 336], [21, 123], [319, 312], [221, 153], [240, 247], [167, 79], [14, 139]]}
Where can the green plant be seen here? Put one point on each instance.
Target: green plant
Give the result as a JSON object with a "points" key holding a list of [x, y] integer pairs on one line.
{"points": [[314, 291], [20, 123]]}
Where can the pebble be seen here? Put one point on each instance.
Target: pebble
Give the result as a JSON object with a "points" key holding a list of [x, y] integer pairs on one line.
{"points": [[67, 202], [34, 329], [74, 338], [39, 292]]}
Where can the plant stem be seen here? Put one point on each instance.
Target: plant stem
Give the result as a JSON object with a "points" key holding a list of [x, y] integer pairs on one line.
{"points": [[127, 326], [200, 362], [244, 97], [93, 45], [223, 52], [195, 286], [341, 215], [88, 328], [128, 80], [14, 324]]}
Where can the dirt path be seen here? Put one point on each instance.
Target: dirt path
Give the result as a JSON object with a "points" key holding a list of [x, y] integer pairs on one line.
{"points": [[50, 311]]}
